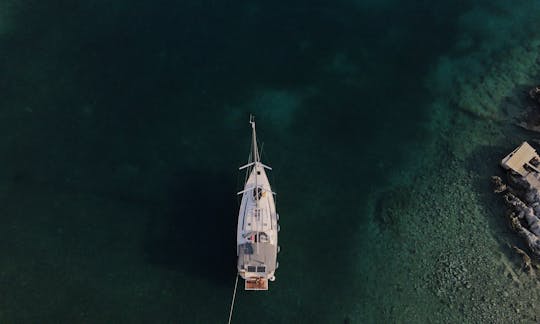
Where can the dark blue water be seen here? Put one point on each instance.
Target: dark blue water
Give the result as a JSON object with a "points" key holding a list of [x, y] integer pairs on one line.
{"points": [[124, 123]]}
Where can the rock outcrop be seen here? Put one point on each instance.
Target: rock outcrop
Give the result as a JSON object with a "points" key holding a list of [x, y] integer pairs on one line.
{"points": [[523, 214]]}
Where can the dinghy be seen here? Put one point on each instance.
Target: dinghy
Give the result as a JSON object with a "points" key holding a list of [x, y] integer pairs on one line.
{"points": [[257, 234]]}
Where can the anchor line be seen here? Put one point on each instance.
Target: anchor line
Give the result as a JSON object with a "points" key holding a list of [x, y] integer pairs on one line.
{"points": [[233, 298]]}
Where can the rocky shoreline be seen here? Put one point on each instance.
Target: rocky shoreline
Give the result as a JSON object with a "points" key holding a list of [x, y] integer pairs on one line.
{"points": [[524, 219], [521, 193]]}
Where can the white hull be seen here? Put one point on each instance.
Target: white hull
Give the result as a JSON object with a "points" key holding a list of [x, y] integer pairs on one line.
{"points": [[257, 232]]}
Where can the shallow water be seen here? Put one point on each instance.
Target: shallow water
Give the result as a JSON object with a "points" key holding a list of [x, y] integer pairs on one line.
{"points": [[124, 125]]}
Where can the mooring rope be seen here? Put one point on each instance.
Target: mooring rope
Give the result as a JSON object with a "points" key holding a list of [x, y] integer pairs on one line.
{"points": [[233, 297]]}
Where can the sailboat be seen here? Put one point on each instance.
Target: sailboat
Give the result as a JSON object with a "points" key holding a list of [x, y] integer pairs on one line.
{"points": [[257, 234]]}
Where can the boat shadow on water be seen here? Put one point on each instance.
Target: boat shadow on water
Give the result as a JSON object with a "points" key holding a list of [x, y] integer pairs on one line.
{"points": [[197, 232]]}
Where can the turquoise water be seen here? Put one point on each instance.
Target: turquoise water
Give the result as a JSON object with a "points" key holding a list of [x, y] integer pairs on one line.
{"points": [[124, 124]]}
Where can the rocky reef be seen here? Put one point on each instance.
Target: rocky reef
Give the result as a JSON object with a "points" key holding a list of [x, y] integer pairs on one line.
{"points": [[530, 119], [523, 216]]}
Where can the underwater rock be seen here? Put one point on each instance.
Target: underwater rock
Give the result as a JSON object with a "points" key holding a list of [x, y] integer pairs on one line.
{"points": [[531, 120], [526, 264], [498, 184], [531, 116], [534, 94]]}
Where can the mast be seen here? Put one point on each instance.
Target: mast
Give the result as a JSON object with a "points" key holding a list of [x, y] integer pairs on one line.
{"points": [[256, 157], [256, 161]]}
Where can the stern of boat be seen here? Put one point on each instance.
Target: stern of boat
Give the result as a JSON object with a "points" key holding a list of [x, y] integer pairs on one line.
{"points": [[256, 284]]}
